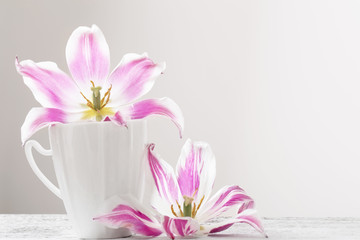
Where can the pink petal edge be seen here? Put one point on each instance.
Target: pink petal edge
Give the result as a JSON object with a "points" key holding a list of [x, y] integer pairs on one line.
{"points": [[88, 57], [196, 170], [164, 107], [38, 118], [164, 177], [51, 87], [248, 216], [117, 119], [136, 221], [180, 226], [226, 199], [134, 76]]}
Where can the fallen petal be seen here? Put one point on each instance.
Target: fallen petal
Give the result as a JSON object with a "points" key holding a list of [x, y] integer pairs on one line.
{"points": [[246, 205], [226, 202], [133, 219], [248, 216]]}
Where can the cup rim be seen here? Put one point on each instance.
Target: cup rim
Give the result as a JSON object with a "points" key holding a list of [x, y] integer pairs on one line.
{"points": [[85, 123]]}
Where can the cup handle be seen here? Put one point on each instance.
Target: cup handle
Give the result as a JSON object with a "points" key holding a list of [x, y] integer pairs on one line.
{"points": [[28, 147]]}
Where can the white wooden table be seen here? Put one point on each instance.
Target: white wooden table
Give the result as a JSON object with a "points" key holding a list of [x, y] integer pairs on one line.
{"points": [[58, 227]]}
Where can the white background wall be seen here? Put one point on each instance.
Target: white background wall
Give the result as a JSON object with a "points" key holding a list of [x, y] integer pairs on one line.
{"points": [[273, 86]]}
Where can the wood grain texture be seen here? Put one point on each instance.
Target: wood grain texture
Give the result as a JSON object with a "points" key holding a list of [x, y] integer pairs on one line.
{"points": [[14, 226]]}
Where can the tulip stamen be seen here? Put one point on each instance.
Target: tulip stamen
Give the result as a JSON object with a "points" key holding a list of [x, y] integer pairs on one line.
{"points": [[89, 103], [190, 208], [202, 199], [172, 210], [107, 97], [195, 192], [193, 211], [98, 103], [181, 212]]}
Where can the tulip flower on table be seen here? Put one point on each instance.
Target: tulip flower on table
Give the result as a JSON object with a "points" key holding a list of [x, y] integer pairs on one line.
{"points": [[182, 202]]}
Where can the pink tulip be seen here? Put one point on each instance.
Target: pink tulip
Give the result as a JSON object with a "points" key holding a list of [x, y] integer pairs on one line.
{"points": [[92, 93], [182, 203]]}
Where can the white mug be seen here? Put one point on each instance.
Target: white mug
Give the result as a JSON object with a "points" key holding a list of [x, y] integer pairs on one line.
{"points": [[93, 161]]}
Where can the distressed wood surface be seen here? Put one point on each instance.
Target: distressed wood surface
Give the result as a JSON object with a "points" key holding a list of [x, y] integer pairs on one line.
{"points": [[18, 226]]}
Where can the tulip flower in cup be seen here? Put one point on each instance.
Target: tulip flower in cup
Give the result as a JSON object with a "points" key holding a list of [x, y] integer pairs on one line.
{"points": [[92, 93]]}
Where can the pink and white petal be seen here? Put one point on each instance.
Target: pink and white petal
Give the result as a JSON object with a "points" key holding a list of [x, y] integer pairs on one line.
{"points": [[162, 205], [51, 87], [38, 118], [117, 119], [88, 57], [246, 205], [184, 226], [133, 219], [248, 216], [196, 170], [163, 107], [226, 202], [164, 178], [134, 76]]}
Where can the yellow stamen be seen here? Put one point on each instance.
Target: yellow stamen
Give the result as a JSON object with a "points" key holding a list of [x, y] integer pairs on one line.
{"points": [[107, 101], [97, 106], [88, 101], [90, 105], [193, 211], [107, 94], [199, 205], [181, 212], [172, 209], [195, 192], [200, 202]]}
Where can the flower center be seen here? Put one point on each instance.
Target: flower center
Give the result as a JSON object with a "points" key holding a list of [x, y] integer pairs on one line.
{"points": [[97, 103], [189, 207]]}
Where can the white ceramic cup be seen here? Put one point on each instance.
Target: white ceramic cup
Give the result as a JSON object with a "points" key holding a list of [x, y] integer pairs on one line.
{"points": [[93, 161]]}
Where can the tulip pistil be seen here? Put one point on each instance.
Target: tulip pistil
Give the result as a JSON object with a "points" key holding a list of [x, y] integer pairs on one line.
{"points": [[187, 206], [97, 102]]}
